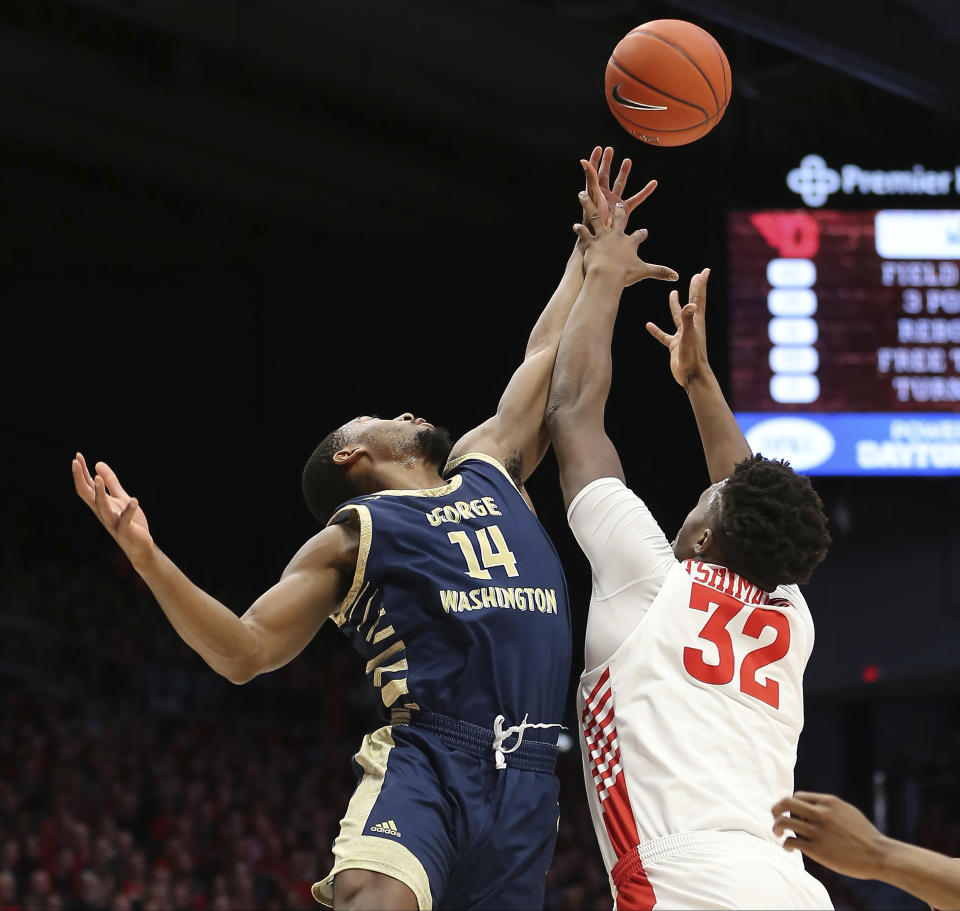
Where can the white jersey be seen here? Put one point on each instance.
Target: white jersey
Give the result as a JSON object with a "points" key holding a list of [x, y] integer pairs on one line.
{"points": [[691, 705]]}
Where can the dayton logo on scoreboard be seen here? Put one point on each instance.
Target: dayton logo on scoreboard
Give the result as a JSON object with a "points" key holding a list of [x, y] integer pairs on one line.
{"points": [[814, 181]]}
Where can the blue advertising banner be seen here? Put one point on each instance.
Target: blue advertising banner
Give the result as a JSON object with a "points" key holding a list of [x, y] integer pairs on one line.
{"points": [[858, 443]]}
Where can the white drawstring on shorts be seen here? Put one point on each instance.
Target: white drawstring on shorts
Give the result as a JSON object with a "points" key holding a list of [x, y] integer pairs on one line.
{"points": [[518, 729]]}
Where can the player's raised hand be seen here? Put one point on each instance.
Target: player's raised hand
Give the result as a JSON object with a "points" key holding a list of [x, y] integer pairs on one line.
{"points": [[605, 197], [609, 246], [688, 345], [117, 511]]}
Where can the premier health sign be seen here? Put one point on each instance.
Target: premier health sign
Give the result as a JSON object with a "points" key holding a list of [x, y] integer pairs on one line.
{"points": [[916, 251]]}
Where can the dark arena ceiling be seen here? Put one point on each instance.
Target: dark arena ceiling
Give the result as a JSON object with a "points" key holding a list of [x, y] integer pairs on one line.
{"points": [[137, 129]]}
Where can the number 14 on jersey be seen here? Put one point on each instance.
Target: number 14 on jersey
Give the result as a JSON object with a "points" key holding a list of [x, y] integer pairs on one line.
{"points": [[497, 554]]}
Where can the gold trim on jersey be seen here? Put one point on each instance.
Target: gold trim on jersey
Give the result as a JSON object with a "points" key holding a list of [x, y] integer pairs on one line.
{"points": [[452, 485], [373, 634], [482, 457], [363, 552], [360, 589], [355, 850], [393, 691]]}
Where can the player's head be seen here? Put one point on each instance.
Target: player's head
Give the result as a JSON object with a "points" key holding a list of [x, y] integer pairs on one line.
{"points": [[765, 522], [351, 460]]}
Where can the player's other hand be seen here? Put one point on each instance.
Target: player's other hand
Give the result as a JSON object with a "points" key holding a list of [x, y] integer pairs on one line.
{"points": [[605, 197], [117, 511], [832, 832], [609, 247], [688, 345]]}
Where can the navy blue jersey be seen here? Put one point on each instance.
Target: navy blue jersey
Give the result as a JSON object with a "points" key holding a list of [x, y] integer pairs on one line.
{"points": [[459, 604]]}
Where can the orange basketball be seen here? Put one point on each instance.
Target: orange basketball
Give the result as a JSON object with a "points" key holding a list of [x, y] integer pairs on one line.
{"points": [[668, 82]]}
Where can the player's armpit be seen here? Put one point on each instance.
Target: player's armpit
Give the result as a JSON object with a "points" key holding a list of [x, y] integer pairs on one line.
{"points": [[285, 618]]}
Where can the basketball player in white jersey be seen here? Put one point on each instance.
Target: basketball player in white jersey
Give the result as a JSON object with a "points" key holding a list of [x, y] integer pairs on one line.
{"points": [[691, 702]]}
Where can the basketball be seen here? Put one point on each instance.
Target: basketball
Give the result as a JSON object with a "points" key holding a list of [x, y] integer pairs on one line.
{"points": [[668, 82]]}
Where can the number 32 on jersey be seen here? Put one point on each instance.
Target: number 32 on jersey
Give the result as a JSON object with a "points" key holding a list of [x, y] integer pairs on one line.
{"points": [[715, 631]]}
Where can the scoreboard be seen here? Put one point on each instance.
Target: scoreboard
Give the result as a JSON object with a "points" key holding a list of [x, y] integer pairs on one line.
{"points": [[845, 338]]}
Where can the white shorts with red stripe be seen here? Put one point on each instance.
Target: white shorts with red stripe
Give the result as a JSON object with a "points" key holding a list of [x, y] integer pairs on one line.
{"points": [[713, 870]]}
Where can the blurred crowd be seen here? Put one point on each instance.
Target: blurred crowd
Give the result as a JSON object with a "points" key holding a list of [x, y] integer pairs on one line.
{"points": [[119, 811], [132, 778]]}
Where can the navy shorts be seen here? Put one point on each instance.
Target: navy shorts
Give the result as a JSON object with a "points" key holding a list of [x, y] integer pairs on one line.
{"points": [[432, 810]]}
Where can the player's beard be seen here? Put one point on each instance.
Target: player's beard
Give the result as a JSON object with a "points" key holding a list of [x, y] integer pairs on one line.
{"points": [[434, 445]]}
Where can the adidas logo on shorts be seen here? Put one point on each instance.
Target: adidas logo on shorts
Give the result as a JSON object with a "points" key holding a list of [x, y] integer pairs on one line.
{"points": [[386, 828]]}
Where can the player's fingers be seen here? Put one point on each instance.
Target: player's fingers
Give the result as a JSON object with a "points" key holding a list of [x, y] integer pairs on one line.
{"points": [[687, 314], [112, 481], [81, 476], [84, 490], [792, 844], [127, 514], [593, 181], [604, 170], [659, 334], [621, 182], [588, 204], [702, 300], [595, 156], [83, 467], [661, 273], [583, 232], [794, 824], [675, 308], [811, 797], [619, 216], [795, 807], [100, 499], [638, 198], [640, 235], [698, 286], [592, 216]]}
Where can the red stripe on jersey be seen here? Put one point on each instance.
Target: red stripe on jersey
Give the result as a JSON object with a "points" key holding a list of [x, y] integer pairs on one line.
{"points": [[603, 747], [604, 677], [634, 891]]}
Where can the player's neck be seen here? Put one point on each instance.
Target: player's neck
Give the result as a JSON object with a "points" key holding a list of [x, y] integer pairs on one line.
{"points": [[400, 476]]}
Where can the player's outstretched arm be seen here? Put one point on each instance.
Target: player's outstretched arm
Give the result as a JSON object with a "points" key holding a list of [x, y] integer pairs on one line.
{"points": [[516, 435], [581, 377], [275, 629], [723, 442], [836, 834]]}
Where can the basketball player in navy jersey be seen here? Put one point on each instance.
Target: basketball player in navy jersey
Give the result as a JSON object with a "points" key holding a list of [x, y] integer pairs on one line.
{"points": [[434, 565]]}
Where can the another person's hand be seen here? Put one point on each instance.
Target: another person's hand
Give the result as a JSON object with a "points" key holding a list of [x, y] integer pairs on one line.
{"points": [[688, 345], [832, 832], [605, 197], [117, 511], [609, 247]]}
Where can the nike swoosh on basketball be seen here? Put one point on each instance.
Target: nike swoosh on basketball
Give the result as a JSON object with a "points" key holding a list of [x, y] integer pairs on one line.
{"points": [[634, 105]]}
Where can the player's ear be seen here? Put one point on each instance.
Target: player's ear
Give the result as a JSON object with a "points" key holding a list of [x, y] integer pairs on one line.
{"points": [[704, 542], [348, 456]]}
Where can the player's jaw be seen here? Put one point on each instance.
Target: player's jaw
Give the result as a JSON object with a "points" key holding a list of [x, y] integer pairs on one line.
{"points": [[403, 436]]}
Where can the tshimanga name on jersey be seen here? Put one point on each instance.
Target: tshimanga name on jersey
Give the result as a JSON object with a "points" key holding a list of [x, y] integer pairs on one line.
{"points": [[543, 600]]}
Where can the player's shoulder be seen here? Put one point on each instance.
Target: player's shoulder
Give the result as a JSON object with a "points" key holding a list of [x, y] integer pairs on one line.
{"points": [[334, 547], [487, 465]]}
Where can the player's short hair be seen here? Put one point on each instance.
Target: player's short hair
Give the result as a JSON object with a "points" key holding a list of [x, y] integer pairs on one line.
{"points": [[325, 484], [771, 523]]}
